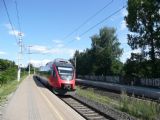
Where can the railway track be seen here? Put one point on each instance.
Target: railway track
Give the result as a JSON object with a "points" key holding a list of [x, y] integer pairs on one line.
{"points": [[83, 109], [89, 111], [116, 94]]}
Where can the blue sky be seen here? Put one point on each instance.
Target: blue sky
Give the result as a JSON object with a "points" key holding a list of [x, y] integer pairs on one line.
{"points": [[45, 23]]}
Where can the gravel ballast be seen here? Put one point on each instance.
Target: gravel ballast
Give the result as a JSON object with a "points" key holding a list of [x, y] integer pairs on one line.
{"points": [[107, 110]]}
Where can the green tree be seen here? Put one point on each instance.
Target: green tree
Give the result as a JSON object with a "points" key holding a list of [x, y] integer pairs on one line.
{"points": [[31, 67], [143, 21], [5, 64], [8, 71], [106, 51], [103, 56]]}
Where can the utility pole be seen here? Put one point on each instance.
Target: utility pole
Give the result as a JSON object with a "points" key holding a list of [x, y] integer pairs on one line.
{"points": [[34, 70], [29, 52], [19, 57], [75, 60]]}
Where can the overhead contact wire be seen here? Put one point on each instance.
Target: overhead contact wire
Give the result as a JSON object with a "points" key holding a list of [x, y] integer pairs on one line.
{"points": [[10, 20], [100, 22], [91, 17]]}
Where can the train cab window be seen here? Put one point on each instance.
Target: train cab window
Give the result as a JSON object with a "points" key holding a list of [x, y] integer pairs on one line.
{"points": [[66, 73]]}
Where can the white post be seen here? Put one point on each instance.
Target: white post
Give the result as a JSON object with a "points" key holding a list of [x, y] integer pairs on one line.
{"points": [[19, 74], [19, 58]]}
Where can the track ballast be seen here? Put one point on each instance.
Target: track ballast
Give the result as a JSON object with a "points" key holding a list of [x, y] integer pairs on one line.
{"points": [[83, 109]]}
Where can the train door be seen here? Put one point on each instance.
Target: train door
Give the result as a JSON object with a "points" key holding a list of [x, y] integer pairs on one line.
{"points": [[54, 77]]}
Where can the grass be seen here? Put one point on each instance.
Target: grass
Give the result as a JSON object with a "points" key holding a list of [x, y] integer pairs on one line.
{"points": [[8, 88], [89, 93], [142, 109]]}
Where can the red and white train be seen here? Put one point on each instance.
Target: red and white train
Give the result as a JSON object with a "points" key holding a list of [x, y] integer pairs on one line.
{"points": [[61, 76]]}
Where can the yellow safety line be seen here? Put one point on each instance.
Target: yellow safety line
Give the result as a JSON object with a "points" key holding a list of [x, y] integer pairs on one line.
{"points": [[51, 105]]}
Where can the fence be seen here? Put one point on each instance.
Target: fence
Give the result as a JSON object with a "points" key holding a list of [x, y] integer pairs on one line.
{"points": [[150, 82], [111, 79], [120, 80]]}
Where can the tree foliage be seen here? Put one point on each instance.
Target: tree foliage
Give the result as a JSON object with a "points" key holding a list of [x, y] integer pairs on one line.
{"points": [[143, 21], [103, 56], [31, 67], [8, 71]]}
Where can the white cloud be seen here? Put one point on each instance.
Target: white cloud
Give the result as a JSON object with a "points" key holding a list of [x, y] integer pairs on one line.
{"points": [[123, 25], [38, 63], [124, 12], [13, 32], [57, 50], [16, 33], [127, 54], [2, 53], [77, 38], [57, 41], [62, 51], [60, 45], [39, 49], [8, 26]]}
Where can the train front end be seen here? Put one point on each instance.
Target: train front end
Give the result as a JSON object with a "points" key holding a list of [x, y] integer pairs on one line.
{"points": [[63, 78], [66, 77]]}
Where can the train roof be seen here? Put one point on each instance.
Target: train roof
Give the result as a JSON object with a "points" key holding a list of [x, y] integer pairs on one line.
{"points": [[61, 62]]}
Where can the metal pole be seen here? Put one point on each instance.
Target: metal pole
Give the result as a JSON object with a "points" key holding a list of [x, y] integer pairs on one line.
{"points": [[18, 72], [75, 65], [29, 52], [75, 61], [34, 70], [29, 71], [19, 58]]}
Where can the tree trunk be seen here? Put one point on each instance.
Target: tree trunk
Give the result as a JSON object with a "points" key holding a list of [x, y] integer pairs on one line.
{"points": [[153, 58]]}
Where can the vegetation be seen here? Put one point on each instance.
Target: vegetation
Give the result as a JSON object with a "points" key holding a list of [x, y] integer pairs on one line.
{"points": [[103, 56], [8, 71], [91, 95], [8, 75], [143, 21], [145, 110], [31, 68]]}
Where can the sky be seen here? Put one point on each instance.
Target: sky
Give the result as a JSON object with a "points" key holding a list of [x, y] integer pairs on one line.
{"points": [[46, 23]]}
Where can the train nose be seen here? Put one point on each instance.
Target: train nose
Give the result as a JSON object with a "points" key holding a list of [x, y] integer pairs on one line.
{"points": [[66, 86]]}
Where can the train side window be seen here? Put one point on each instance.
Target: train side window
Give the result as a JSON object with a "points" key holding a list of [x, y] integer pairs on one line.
{"points": [[53, 73]]}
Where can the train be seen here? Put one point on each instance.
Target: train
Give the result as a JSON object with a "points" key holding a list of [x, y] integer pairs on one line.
{"points": [[60, 75]]}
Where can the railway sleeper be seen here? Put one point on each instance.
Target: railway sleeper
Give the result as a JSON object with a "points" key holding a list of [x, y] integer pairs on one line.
{"points": [[96, 118]]}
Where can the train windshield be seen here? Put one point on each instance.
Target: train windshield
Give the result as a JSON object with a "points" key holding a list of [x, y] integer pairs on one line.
{"points": [[66, 73]]}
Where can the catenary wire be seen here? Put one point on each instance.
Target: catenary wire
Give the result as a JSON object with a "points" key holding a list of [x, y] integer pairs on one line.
{"points": [[10, 20], [86, 21], [117, 11], [18, 18]]}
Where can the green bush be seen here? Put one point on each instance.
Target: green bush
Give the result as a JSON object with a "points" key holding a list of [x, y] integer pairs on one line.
{"points": [[8, 71]]}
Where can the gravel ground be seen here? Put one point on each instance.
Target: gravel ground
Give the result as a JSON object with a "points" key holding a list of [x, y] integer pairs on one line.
{"points": [[109, 111], [4, 104], [2, 108]]}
